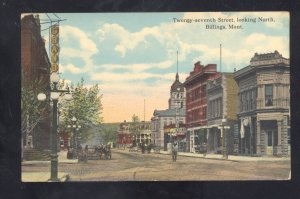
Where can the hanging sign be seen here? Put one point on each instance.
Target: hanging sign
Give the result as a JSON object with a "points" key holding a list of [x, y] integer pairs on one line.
{"points": [[54, 48]]}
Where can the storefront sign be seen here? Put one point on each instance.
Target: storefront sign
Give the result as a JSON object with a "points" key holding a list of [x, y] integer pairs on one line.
{"points": [[54, 48]]}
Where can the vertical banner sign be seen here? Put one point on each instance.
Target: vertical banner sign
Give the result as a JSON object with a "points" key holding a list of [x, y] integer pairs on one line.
{"points": [[54, 48]]}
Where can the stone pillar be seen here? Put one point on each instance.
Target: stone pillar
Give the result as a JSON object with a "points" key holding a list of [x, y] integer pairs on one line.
{"points": [[279, 126], [278, 147], [258, 136]]}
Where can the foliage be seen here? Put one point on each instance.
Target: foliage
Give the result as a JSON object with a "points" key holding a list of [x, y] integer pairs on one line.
{"points": [[134, 125], [85, 106], [32, 110], [109, 132], [101, 134], [135, 118]]}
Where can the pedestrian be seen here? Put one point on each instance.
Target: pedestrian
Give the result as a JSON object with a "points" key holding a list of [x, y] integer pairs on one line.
{"points": [[174, 151]]}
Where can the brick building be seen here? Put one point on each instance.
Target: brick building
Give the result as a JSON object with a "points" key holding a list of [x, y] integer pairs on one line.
{"points": [[35, 67], [264, 104], [196, 103]]}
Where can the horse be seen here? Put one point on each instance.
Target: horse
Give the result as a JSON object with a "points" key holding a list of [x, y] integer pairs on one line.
{"points": [[107, 152], [99, 151]]}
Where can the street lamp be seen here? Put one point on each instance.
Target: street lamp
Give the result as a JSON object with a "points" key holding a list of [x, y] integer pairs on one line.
{"points": [[54, 95], [74, 142], [223, 128]]}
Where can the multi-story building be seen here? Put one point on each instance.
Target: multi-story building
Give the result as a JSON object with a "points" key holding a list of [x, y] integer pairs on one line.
{"points": [[222, 100], [35, 66], [196, 103], [134, 133], [162, 118], [175, 133], [264, 103], [174, 115]]}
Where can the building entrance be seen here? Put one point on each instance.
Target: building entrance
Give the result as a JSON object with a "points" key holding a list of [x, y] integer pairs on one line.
{"points": [[271, 139], [271, 136]]}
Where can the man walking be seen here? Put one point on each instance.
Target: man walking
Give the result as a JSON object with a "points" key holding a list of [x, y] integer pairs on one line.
{"points": [[174, 151]]}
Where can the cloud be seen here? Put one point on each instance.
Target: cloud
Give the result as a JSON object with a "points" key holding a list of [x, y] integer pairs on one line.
{"points": [[72, 36], [120, 77], [76, 35], [73, 69], [137, 67]]}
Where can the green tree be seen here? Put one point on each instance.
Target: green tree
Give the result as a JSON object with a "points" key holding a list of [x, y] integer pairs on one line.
{"points": [[109, 133], [86, 106]]}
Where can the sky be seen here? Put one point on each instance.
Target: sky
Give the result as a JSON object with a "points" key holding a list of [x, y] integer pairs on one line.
{"points": [[133, 56]]}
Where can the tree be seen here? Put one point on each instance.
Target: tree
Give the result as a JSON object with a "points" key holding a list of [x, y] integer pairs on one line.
{"points": [[86, 106], [134, 125], [109, 133], [135, 118], [32, 110]]}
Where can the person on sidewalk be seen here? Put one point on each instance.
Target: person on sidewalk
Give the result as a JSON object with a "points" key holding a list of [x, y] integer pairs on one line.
{"points": [[174, 151]]}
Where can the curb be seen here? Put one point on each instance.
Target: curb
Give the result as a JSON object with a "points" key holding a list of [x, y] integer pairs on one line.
{"points": [[230, 158]]}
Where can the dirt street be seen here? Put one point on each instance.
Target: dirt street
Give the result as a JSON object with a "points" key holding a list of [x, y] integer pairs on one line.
{"points": [[134, 166]]}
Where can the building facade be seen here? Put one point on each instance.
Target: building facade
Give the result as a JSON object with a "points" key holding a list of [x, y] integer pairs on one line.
{"points": [[222, 103], [134, 133], [35, 67], [177, 94], [175, 114], [264, 104], [173, 133], [196, 104], [162, 118]]}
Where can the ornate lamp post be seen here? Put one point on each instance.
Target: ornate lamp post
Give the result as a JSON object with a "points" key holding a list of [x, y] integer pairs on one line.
{"points": [[55, 93], [223, 128]]}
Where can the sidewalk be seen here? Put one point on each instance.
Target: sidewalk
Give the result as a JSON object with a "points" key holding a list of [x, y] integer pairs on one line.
{"points": [[44, 176], [62, 158], [230, 157]]}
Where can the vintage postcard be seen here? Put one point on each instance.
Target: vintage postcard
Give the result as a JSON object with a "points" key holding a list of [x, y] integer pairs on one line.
{"points": [[173, 96]]}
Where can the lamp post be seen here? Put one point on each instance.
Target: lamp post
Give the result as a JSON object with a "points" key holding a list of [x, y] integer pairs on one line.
{"points": [[54, 78], [74, 142], [223, 128]]}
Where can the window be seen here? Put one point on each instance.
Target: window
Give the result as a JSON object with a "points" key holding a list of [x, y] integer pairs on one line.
{"points": [[268, 95]]}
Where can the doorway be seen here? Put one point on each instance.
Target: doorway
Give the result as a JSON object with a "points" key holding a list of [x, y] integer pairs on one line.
{"points": [[271, 142], [271, 136]]}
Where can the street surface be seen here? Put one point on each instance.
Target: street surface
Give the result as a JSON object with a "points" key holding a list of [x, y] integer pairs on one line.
{"points": [[134, 166]]}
